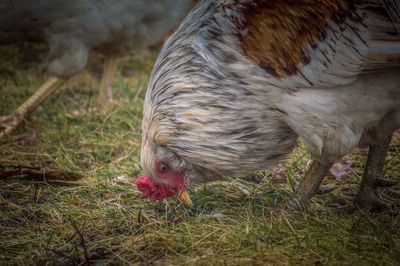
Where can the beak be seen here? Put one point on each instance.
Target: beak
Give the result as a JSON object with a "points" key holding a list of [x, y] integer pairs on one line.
{"points": [[185, 198]]}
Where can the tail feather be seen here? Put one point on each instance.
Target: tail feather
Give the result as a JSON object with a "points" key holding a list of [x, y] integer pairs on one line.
{"points": [[384, 42], [393, 9]]}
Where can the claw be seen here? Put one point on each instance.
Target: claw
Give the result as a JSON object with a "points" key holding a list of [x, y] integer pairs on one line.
{"points": [[371, 203], [9, 123], [294, 205], [382, 182], [323, 189], [5, 119]]}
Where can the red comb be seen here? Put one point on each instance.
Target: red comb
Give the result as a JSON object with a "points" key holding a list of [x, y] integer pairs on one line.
{"points": [[152, 190]]}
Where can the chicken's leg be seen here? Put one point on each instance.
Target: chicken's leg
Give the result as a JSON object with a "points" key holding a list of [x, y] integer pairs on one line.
{"points": [[105, 99], [10, 122], [309, 186], [373, 177]]}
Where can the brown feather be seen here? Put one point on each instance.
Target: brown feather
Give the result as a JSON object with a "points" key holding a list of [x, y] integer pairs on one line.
{"points": [[275, 34]]}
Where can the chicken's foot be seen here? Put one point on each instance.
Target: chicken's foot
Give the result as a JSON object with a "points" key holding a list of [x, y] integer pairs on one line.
{"points": [[105, 99], [11, 122], [372, 177], [309, 186]]}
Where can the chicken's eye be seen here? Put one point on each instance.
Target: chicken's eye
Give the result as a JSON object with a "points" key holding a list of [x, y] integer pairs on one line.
{"points": [[163, 168]]}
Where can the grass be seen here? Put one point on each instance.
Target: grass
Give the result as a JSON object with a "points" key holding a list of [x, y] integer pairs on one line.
{"points": [[97, 220]]}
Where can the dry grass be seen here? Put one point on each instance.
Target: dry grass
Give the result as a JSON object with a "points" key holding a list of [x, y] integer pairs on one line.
{"points": [[96, 220]]}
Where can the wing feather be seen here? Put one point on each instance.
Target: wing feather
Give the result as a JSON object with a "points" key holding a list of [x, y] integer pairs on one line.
{"points": [[326, 43]]}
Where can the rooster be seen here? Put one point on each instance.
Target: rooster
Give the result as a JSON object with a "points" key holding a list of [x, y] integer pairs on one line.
{"points": [[240, 81], [72, 29]]}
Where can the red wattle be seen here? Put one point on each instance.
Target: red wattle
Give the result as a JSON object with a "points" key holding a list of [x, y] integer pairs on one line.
{"points": [[152, 190]]}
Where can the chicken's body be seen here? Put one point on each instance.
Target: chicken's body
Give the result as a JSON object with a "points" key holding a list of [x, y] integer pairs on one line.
{"points": [[240, 80], [72, 29]]}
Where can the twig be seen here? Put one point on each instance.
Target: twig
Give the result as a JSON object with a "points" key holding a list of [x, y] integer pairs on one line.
{"points": [[36, 172], [83, 242]]}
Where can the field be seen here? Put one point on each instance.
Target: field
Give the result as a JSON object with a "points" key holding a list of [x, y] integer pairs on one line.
{"points": [[80, 210]]}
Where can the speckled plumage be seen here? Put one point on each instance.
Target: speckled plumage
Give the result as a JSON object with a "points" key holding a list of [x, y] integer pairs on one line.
{"points": [[212, 110]]}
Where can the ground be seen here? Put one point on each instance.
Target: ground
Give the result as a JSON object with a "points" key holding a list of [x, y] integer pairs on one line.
{"points": [[81, 213]]}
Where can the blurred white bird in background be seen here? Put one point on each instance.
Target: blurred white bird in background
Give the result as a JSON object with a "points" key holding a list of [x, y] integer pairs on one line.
{"points": [[72, 29]]}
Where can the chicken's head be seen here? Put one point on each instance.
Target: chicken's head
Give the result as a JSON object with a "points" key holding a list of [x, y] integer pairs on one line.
{"points": [[166, 174]]}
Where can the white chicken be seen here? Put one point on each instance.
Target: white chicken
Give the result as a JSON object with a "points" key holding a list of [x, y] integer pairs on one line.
{"points": [[72, 29], [240, 81]]}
